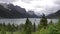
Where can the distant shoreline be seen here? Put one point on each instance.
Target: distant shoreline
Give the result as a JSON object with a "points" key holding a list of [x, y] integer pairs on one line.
{"points": [[23, 18]]}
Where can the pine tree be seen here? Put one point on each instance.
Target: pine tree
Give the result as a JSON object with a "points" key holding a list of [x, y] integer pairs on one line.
{"points": [[17, 27], [13, 27], [0, 26], [51, 22], [3, 28], [21, 27], [34, 27], [43, 22], [9, 27], [28, 27], [4, 24]]}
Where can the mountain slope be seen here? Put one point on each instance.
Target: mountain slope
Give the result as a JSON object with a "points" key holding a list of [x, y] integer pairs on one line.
{"points": [[54, 15], [11, 11]]}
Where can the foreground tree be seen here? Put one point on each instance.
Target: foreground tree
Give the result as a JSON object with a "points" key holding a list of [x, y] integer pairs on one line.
{"points": [[43, 22], [28, 27]]}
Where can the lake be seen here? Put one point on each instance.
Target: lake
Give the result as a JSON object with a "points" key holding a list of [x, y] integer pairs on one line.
{"points": [[23, 20]]}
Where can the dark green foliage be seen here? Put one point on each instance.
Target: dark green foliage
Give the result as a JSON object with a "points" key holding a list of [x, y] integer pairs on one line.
{"points": [[4, 24], [28, 27], [51, 22], [0, 26], [21, 27], [13, 27], [43, 22], [9, 27], [34, 27], [17, 27]]}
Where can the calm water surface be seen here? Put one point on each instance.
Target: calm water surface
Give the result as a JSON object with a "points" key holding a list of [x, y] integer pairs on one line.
{"points": [[23, 20]]}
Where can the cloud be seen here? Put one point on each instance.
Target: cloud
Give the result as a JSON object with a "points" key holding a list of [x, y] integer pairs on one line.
{"points": [[7, 1], [57, 2], [44, 6]]}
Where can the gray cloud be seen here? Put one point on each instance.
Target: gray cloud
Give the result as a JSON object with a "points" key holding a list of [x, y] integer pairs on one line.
{"points": [[26, 1], [51, 10], [48, 6], [57, 2], [7, 1]]}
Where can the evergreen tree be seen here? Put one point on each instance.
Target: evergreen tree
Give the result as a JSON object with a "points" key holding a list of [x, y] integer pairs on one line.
{"points": [[51, 23], [21, 27], [4, 26], [3, 29], [13, 28], [43, 22], [9, 27], [28, 27], [34, 27], [0, 26], [17, 27]]}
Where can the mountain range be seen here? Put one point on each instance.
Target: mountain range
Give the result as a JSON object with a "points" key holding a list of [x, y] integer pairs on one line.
{"points": [[11, 11]]}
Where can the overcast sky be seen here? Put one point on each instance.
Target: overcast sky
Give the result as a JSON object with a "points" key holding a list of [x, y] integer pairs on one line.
{"points": [[39, 6]]}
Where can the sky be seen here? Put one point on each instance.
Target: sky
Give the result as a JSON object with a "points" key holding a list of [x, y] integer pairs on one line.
{"points": [[38, 6]]}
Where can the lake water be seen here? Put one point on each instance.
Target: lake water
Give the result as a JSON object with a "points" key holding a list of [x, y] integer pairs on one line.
{"points": [[23, 20]]}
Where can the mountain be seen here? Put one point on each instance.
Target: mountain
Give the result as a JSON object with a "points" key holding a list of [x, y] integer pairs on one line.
{"points": [[32, 13], [4, 5], [11, 11], [4, 12], [54, 15]]}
